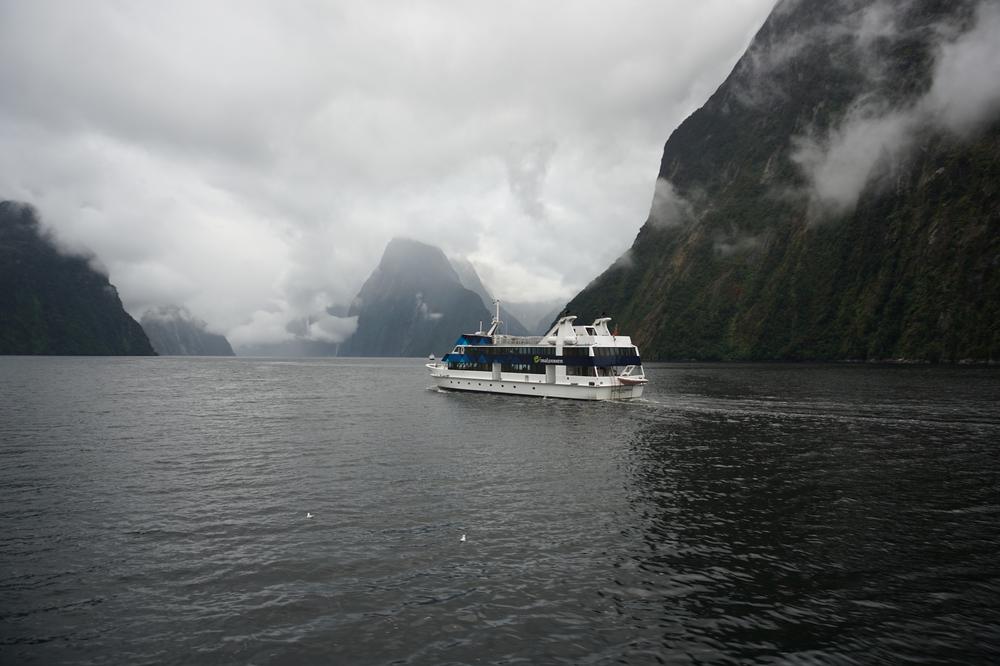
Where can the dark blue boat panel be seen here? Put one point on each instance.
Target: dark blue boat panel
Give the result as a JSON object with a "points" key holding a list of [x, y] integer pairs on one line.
{"points": [[483, 355]]}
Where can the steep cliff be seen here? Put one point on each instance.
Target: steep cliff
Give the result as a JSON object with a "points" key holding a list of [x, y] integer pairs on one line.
{"points": [[173, 331], [54, 303], [838, 197]]}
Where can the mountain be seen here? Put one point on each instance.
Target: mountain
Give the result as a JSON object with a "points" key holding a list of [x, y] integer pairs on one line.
{"points": [[838, 197], [55, 303], [173, 331], [469, 278], [540, 316], [413, 304]]}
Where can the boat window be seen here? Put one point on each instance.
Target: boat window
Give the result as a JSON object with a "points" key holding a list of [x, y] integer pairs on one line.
{"points": [[576, 351], [529, 368]]}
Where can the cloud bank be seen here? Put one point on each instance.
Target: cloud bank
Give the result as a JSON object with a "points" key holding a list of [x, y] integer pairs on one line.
{"points": [[249, 161], [873, 136], [669, 209]]}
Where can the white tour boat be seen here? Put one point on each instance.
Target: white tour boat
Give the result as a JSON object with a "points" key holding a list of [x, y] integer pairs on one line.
{"points": [[581, 362]]}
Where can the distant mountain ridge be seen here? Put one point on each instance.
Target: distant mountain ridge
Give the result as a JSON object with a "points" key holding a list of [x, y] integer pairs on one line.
{"points": [[469, 278], [413, 304], [827, 202], [173, 331], [538, 317], [55, 303]]}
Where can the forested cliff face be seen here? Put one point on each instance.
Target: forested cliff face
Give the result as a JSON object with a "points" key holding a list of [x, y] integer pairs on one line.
{"points": [[53, 303], [838, 197]]}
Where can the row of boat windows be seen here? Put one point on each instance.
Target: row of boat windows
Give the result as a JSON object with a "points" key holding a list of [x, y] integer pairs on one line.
{"points": [[615, 351], [548, 351], [508, 351], [523, 368], [482, 367], [590, 371], [600, 351], [539, 369], [576, 351], [526, 368]]}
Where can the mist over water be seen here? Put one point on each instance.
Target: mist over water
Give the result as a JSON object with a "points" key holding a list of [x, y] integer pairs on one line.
{"points": [[154, 510]]}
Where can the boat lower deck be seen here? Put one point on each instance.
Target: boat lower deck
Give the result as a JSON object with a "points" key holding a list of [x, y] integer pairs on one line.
{"points": [[570, 391]]}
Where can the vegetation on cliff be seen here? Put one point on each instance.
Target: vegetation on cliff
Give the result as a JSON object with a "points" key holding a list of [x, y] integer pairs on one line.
{"points": [[837, 198], [55, 303]]}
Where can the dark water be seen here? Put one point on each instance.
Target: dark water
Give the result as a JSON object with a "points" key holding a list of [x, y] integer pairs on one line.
{"points": [[154, 511]]}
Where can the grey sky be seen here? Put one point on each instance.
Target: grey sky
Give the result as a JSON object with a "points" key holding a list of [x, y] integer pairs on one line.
{"points": [[250, 160]]}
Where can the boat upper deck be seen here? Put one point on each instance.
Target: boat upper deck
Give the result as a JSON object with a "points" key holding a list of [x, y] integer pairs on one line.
{"points": [[580, 341], [562, 333]]}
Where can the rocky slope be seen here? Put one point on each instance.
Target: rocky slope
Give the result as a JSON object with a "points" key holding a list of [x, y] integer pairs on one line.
{"points": [[838, 197], [53, 303]]}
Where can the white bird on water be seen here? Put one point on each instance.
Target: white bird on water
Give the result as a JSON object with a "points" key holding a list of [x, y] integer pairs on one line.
{"points": [[308, 515], [462, 539]]}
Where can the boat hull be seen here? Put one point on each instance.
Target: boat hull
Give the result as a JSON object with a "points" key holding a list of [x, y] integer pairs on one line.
{"points": [[539, 389]]}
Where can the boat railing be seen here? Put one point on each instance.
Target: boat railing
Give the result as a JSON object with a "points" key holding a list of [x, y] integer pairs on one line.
{"points": [[517, 339]]}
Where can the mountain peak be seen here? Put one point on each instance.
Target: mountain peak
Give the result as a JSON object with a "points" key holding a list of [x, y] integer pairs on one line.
{"points": [[413, 304], [416, 259]]}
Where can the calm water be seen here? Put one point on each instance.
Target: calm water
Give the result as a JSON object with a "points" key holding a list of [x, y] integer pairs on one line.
{"points": [[154, 511]]}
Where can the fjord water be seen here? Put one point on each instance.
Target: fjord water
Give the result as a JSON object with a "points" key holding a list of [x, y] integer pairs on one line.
{"points": [[154, 511]]}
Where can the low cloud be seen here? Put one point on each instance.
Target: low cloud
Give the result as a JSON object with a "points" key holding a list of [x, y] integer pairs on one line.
{"points": [[171, 313], [966, 89], [669, 209], [264, 327], [839, 165], [251, 162], [757, 85], [861, 30], [873, 138], [424, 310], [327, 328], [735, 244], [626, 261], [527, 168]]}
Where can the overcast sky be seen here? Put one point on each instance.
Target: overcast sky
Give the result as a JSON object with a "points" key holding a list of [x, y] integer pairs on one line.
{"points": [[250, 160]]}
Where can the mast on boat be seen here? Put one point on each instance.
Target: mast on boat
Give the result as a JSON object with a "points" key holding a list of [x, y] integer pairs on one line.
{"points": [[496, 318]]}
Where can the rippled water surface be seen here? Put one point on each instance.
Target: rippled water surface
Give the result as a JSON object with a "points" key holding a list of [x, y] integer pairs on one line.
{"points": [[154, 511]]}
